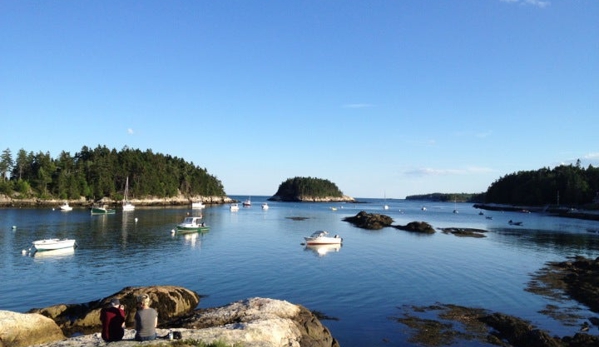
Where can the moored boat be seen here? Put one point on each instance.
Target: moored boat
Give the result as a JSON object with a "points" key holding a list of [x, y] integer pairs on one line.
{"points": [[192, 224], [127, 205], [52, 244], [97, 210], [234, 207], [65, 207], [322, 237], [265, 206], [197, 205], [247, 203]]}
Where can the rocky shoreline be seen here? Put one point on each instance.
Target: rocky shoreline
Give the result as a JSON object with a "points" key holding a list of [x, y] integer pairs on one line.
{"points": [[254, 322], [6, 201]]}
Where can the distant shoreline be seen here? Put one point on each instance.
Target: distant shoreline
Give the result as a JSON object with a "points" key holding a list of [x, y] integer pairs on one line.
{"points": [[550, 210]]}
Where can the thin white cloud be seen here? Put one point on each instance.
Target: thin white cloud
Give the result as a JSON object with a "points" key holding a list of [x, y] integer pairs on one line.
{"points": [[537, 3], [357, 105], [130, 131], [591, 156], [423, 172], [483, 135]]}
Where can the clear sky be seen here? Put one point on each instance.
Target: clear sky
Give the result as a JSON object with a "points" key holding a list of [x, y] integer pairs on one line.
{"points": [[384, 98]]}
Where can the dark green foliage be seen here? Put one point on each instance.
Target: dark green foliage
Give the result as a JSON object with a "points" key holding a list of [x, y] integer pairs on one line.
{"points": [[308, 186], [449, 197], [101, 172], [564, 185]]}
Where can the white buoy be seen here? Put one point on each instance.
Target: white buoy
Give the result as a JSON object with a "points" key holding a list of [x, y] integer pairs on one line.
{"points": [[135, 219], [172, 231], [14, 227], [24, 252]]}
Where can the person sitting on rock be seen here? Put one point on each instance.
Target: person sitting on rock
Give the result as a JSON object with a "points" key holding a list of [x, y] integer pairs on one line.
{"points": [[113, 321], [146, 319]]}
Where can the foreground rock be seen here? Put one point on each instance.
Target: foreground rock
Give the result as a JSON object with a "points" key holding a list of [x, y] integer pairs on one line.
{"points": [[170, 302], [371, 221], [22, 329], [253, 322]]}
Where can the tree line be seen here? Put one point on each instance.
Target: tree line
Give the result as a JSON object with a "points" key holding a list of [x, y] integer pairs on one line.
{"points": [[569, 185], [101, 172]]}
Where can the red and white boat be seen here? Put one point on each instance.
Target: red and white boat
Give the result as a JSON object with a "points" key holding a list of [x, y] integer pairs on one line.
{"points": [[322, 237]]}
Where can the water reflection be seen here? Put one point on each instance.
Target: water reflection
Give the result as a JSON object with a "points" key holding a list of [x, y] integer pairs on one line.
{"points": [[322, 250]]}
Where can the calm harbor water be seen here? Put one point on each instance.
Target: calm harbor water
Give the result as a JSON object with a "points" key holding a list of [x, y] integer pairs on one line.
{"points": [[260, 253]]}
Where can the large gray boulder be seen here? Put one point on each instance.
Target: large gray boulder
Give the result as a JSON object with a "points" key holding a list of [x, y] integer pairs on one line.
{"points": [[260, 322], [26, 329]]}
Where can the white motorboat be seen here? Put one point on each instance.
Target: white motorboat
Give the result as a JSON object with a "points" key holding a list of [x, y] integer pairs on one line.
{"points": [[322, 237], [65, 207], [192, 224], [52, 244], [234, 207], [197, 205], [127, 205], [247, 203], [265, 206]]}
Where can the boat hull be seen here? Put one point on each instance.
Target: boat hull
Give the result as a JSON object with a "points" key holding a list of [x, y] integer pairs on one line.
{"points": [[323, 241], [53, 244], [188, 230], [97, 211]]}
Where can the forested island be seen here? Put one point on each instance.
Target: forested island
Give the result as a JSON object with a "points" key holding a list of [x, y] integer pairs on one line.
{"points": [[309, 189], [99, 173], [565, 185]]}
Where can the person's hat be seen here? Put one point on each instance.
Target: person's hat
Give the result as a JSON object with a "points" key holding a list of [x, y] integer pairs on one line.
{"points": [[115, 301]]}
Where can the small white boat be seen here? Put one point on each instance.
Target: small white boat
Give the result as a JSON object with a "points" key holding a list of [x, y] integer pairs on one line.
{"points": [[265, 206], [197, 205], [322, 237], [65, 207], [385, 207], [234, 207], [192, 224], [247, 203], [53, 244]]}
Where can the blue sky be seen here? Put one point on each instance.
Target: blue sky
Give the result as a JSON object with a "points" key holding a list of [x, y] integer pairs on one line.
{"points": [[383, 98]]}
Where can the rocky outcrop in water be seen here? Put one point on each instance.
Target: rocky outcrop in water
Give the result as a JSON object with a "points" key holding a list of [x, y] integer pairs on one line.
{"points": [[418, 227], [372, 221]]}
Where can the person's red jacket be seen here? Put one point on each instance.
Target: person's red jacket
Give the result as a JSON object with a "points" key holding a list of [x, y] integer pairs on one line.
{"points": [[113, 321]]}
